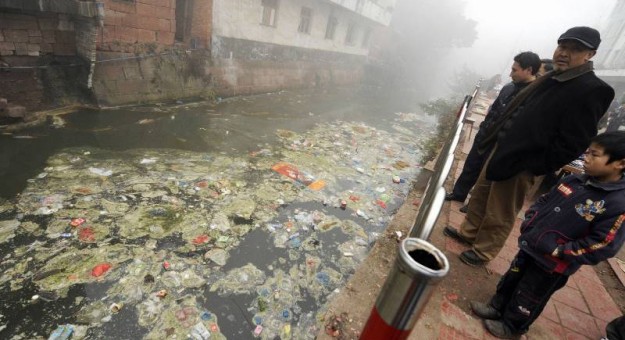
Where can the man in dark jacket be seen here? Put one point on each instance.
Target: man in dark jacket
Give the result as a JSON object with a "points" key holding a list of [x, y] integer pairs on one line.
{"points": [[522, 72], [547, 125]]}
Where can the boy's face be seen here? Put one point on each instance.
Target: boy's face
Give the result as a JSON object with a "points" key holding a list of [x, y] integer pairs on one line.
{"points": [[596, 164]]}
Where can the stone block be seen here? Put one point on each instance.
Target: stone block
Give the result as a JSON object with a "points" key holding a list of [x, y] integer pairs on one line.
{"points": [[123, 7], [12, 23], [65, 37], [35, 40], [6, 52], [130, 20], [64, 49], [46, 48], [165, 38], [158, 3], [17, 36], [165, 13], [47, 24], [164, 25], [15, 111], [3, 103], [48, 37], [146, 35], [34, 33], [1, 36], [113, 17], [148, 23], [7, 46], [34, 48], [144, 9], [21, 48], [126, 34]]}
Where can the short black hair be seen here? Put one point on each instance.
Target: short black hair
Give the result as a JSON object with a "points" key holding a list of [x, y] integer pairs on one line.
{"points": [[528, 59], [548, 64], [613, 144]]}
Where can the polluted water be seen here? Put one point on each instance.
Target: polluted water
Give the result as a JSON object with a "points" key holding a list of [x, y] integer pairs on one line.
{"points": [[159, 243]]}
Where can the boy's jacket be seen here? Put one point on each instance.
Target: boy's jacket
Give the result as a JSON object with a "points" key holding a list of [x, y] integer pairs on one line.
{"points": [[583, 218]]}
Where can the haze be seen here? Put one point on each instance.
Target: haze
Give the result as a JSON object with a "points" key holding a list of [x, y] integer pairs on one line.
{"points": [[436, 40], [508, 27]]}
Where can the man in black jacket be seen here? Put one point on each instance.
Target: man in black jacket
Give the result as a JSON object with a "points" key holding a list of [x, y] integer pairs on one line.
{"points": [[547, 125], [522, 72]]}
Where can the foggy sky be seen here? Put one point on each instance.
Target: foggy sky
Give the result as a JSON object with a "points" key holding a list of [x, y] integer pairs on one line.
{"points": [[506, 28]]}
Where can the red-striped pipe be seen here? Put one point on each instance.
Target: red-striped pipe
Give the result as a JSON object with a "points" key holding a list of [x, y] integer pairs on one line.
{"points": [[418, 268]]}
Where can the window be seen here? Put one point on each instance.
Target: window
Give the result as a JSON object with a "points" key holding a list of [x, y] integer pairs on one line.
{"points": [[365, 38], [270, 11], [351, 33], [305, 20], [183, 22], [331, 28]]}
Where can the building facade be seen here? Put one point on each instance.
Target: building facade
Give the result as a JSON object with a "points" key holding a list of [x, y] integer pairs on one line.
{"points": [[265, 45], [138, 51], [610, 60]]}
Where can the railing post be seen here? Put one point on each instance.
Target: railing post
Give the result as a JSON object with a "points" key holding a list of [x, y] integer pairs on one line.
{"points": [[418, 268]]}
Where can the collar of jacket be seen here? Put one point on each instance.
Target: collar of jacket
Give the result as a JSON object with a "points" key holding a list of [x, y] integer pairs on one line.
{"points": [[574, 72], [607, 186]]}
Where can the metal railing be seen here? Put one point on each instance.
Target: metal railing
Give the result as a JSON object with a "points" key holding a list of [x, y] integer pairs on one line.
{"points": [[419, 265], [434, 193]]}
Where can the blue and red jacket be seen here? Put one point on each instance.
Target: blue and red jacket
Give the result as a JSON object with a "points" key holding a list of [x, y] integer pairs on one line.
{"points": [[583, 218]]}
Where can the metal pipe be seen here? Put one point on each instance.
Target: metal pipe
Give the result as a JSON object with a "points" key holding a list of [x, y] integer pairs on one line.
{"points": [[441, 171], [419, 266]]}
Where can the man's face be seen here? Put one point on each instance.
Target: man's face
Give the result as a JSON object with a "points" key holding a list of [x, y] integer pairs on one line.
{"points": [[569, 54], [519, 74]]}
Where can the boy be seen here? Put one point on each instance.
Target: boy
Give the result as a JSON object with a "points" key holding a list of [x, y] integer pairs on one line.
{"points": [[580, 221]]}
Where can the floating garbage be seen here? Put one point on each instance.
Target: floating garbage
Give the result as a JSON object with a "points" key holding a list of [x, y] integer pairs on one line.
{"points": [[171, 223], [62, 332]]}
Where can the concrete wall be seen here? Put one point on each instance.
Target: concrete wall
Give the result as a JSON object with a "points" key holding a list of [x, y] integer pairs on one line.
{"points": [[178, 75], [167, 76]]}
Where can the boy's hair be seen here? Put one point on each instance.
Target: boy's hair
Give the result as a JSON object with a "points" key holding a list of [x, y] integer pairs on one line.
{"points": [[528, 59], [613, 144]]}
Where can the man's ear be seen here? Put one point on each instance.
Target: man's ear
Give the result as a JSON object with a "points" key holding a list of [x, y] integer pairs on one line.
{"points": [[590, 54], [620, 164]]}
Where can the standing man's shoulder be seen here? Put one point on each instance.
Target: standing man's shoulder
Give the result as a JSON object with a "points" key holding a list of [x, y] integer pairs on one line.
{"points": [[592, 79]]}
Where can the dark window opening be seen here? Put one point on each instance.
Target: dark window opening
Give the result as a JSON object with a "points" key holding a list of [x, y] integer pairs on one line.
{"points": [[351, 34], [184, 10], [305, 20], [331, 28], [366, 37], [270, 12]]}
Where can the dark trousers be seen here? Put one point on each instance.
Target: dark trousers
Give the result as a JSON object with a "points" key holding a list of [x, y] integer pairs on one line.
{"points": [[615, 330], [470, 172], [523, 292]]}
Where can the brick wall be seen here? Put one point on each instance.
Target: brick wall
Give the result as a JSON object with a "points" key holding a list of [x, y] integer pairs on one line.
{"points": [[137, 26], [36, 34]]}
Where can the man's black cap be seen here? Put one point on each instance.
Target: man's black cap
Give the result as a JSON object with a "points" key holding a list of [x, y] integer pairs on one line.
{"points": [[588, 36]]}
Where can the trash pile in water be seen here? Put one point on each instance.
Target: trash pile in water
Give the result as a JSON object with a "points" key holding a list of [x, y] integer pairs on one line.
{"points": [[101, 239]]}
